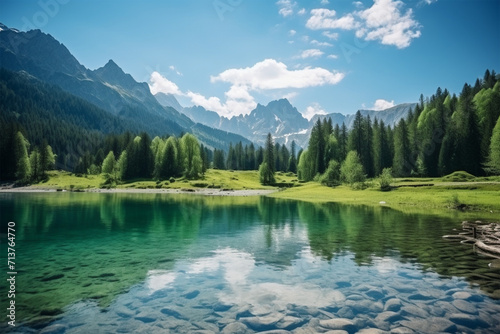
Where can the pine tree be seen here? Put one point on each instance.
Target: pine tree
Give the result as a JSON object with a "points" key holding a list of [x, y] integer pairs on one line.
{"points": [[401, 164], [231, 158], [36, 165], [266, 169], [292, 162], [343, 142], [219, 159]]}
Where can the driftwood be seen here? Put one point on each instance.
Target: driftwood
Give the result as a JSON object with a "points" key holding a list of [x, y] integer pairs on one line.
{"points": [[484, 236]]}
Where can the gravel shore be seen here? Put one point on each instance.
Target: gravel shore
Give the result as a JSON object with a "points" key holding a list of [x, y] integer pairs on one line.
{"points": [[207, 192]]}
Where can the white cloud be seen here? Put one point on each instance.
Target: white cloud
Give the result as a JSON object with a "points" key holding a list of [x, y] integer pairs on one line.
{"points": [[318, 43], [271, 74], [290, 96], [322, 18], [384, 21], [311, 53], [173, 68], [331, 35], [158, 83], [268, 74], [358, 4], [332, 56], [325, 2], [238, 101], [302, 11], [314, 109], [286, 7], [382, 104], [292, 32]]}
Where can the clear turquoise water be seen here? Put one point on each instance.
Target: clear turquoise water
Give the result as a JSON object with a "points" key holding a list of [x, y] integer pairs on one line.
{"points": [[108, 263]]}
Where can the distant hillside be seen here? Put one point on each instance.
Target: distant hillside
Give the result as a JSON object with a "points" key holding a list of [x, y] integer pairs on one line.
{"points": [[108, 87], [279, 118]]}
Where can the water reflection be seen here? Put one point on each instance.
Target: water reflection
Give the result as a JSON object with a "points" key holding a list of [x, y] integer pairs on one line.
{"points": [[80, 246]]}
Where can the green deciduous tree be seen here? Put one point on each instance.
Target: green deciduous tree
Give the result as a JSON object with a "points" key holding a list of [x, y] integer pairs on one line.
{"points": [[493, 165], [191, 159], [351, 170], [110, 168], [21, 158], [331, 176]]}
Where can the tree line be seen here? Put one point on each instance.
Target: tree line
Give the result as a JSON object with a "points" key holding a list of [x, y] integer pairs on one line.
{"points": [[444, 133]]}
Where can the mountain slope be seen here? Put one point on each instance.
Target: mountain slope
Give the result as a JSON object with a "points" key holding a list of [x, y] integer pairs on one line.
{"points": [[108, 87], [281, 119]]}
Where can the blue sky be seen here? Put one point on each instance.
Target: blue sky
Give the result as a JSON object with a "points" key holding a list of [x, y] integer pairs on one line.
{"points": [[325, 56]]}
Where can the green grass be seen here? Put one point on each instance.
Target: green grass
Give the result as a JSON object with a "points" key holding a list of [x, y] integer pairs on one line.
{"points": [[481, 196], [69, 181], [219, 179], [481, 202]]}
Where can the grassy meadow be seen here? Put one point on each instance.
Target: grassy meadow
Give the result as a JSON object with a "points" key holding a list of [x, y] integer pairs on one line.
{"points": [[477, 197]]}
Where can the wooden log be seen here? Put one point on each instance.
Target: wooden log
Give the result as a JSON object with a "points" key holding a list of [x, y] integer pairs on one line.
{"points": [[487, 248]]}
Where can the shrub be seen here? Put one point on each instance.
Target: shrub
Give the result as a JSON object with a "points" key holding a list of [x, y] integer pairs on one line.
{"points": [[459, 176], [351, 170], [385, 179], [331, 177]]}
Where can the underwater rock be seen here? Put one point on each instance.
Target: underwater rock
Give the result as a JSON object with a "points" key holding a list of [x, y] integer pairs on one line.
{"points": [[262, 323], [338, 323], [172, 313], [375, 294], [54, 329], [393, 304], [465, 306], [236, 328], [467, 320], [430, 325], [191, 295], [52, 277]]}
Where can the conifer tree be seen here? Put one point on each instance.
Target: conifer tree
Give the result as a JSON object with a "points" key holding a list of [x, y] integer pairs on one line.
{"points": [[292, 162], [266, 169], [401, 164]]}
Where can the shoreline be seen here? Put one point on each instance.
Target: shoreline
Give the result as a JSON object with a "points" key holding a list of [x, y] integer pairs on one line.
{"points": [[204, 192]]}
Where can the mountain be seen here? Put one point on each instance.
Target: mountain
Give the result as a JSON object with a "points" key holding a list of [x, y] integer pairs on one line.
{"points": [[281, 119], [168, 100], [108, 87]]}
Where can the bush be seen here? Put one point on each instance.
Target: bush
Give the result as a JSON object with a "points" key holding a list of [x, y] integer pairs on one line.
{"points": [[351, 170], [459, 176], [385, 179], [331, 177], [199, 184], [172, 180]]}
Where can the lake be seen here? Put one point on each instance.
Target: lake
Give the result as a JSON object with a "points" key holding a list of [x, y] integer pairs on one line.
{"points": [[124, 263]]}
